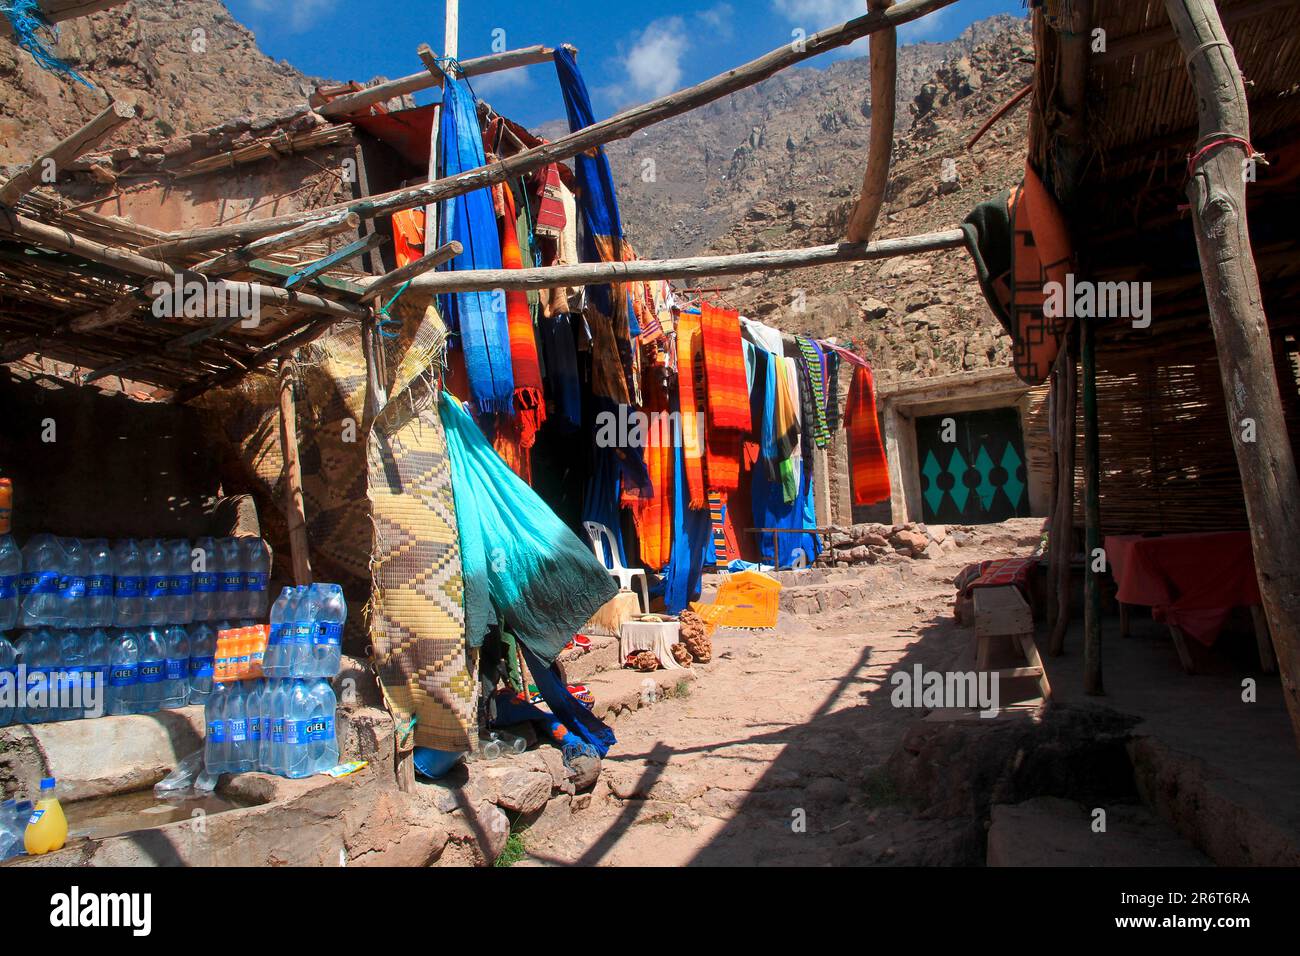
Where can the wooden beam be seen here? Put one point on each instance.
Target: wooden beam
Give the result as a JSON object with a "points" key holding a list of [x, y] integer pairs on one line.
{"points": [[1092, 682], [604, 273], [1217, 194], [113, 314], [237, 259], [1061, 540], [391, 280], [351, 103], [63, 240], [297, 338], [618, 127], [352, 250], [884, 92], [68, 149], [295, 514], [56, 11]]}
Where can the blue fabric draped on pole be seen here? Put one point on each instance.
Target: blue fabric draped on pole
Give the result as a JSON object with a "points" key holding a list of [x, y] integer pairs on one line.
{"points": [[692, 539], [478, 319], [522, 566]]}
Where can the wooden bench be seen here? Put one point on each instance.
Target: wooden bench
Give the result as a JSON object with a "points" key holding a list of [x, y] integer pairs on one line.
{"points": [[1002, 611]]}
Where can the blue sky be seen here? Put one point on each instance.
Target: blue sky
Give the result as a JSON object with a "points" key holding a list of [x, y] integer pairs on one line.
{"points": [[630, 52]]}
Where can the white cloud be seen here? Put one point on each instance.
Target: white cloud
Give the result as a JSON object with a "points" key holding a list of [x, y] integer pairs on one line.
{"points": [[719, 20], [301, 12], [654, 63]]}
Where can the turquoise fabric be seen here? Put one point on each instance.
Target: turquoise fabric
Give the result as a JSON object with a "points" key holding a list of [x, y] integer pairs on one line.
{"points": [[522, 566]]}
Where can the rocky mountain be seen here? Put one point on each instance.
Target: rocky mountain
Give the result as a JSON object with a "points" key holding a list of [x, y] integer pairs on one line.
{"points": [[188, 64]]}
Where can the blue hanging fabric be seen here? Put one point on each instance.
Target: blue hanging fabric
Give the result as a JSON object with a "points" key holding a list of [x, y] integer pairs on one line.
{"points": [[27, 22], [477, 318], [692, 538]]}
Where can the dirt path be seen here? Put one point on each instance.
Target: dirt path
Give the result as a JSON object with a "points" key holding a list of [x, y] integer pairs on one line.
{"points": [[773, 755]]}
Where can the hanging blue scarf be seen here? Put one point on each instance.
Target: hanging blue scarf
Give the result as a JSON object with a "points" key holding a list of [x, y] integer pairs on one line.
{"points": [[692, 538], [478, 318]]}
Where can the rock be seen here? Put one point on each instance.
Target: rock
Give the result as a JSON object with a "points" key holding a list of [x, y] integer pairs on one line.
{"points": [[911, 540], [524, 791]]}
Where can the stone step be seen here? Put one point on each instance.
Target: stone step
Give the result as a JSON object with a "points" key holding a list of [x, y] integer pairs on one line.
{"points": [[619, 691], [579, 667], [1050, 831]]}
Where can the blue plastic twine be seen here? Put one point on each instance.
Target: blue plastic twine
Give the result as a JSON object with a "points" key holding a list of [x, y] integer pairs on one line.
{"points": [[27, 21]]}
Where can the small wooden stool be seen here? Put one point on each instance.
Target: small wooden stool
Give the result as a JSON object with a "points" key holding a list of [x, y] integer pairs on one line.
{"points": [[1003, 612]]}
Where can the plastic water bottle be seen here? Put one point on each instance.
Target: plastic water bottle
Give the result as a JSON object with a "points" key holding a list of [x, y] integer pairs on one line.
{"points": [[153, 670], [230, 587], [203, 649], [273, 760], [99, 583], [176, 672], [94, 694], [68, 679], [8, 682], [72, 583], [280, 620], [123, 672], [304, 622], [204, 564], [216, 747], [296, 723], [253, 707], [157, 577], [11, 570], [128, 583], [180, 584], [327, 633], [256, 564], [38, 587], [38, 651], [241, 751], [322, 740]]}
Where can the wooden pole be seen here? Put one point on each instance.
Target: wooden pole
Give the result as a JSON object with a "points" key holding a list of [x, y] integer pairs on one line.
{"points": [[338, 257], [618, 127], [295, 514], [431, 210], [1092, 683], [604, 273], [1217, 194], [352, 103], [884, 92], [1062, 534], [237, 259], [390, 281], [68, 149]]}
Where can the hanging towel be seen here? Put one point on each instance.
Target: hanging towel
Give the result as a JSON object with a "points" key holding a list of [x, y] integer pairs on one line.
{"points": [[602, 242], [522, 566], [690, 391], [724, 369], [477, 318], [867, 460], [530, 405], [653, 514], [408, 235], [832, 390], [692, 538]]}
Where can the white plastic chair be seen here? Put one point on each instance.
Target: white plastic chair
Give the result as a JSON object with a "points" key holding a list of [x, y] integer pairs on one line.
{"points": [[602, 543]]}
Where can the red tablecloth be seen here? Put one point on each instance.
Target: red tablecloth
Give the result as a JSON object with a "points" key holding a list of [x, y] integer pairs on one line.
{"points": [[1191, 581]]}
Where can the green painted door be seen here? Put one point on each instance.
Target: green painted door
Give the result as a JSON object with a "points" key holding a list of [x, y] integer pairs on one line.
{"points": [[972, 467]]}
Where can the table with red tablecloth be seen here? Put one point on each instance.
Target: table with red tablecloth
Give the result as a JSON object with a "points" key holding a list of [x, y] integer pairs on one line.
{"points": [[1190, 581]]}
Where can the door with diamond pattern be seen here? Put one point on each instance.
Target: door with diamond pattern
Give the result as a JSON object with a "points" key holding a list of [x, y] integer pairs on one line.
{"points": [[972, 467]]}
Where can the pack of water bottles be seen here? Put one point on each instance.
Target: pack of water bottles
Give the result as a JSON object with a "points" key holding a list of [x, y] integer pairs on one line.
{"points": [[49, 675], [284, 727], [306, 638], [74, 583]]}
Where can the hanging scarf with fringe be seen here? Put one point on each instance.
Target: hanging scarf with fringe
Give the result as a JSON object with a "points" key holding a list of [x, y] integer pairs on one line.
{"points": [[530, 403], [690, 391]]}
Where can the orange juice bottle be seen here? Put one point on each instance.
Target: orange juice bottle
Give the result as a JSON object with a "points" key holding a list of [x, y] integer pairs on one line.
{"points": [[47, 830]]}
